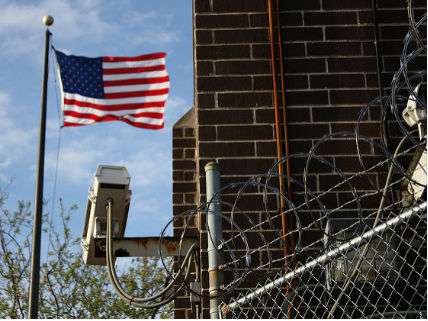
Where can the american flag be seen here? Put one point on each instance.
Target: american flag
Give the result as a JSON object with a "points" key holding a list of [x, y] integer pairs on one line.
{"points": [[129, 89]]}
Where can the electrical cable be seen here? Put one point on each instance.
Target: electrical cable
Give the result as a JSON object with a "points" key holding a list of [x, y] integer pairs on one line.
{"points": [[141, 302]]}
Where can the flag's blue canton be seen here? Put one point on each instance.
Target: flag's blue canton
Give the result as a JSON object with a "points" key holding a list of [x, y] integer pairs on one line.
{"points": [[81, 75]]}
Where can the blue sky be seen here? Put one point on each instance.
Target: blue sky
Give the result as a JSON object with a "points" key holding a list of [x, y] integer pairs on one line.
{"points": [[91, 28]]}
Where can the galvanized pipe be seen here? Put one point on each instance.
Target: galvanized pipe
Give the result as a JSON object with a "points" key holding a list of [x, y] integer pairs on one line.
{"points": [[358, 241], [215, 235]]}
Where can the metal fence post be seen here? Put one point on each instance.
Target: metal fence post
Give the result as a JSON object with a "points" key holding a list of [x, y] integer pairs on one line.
{"points": [[215, 235]]}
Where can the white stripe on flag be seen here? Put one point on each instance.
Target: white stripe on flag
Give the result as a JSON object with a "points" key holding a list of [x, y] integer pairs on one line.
{"points": [[142, 75], [133, 64], [144, 120], [118, 89], [116, 101]]}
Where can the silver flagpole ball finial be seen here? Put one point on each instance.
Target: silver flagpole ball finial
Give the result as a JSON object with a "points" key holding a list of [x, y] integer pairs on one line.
{"points": [[48, 20]]}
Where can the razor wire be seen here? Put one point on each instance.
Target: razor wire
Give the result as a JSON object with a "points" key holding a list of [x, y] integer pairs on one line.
{"points": [[380, 269], [342, 276]]}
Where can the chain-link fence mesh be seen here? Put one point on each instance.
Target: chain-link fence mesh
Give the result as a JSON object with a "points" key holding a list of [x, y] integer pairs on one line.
{"points": [[379, 273]]}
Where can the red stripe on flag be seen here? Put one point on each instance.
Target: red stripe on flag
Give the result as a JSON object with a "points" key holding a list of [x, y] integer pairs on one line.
{"points": [[79, 103], [67, 124], [106, 119], [97, 118], [139, 125], [156, 55], [133, 70], [148, 115], [136, 81], [130, 94]]}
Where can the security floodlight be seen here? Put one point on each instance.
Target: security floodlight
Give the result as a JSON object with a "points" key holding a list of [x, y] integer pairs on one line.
{"points": [[110, 183]]}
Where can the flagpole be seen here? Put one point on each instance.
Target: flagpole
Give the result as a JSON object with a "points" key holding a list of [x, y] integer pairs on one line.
{"points": [[33, 306]]}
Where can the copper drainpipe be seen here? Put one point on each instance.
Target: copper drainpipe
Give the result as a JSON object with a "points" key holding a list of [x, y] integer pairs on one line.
{"points": [[286, 226], [284, 221], [277, 128]]}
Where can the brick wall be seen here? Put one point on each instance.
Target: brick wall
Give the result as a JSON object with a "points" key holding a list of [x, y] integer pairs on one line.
{"points": [[330, 73], [184, 191], [184, 166]]}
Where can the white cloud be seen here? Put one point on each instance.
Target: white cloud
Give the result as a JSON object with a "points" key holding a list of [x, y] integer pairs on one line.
{"points": [[16, 140], [78, 160], [81, 21], [149, 167], [21, 29], [76, 163], [158, 28], [80, 155]]}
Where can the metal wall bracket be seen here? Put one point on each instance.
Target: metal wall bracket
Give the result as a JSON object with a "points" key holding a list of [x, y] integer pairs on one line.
{"points": [[143, 247]]}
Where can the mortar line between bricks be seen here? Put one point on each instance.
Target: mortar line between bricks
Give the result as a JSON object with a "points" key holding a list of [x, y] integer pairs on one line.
{"points": [[313, 57], [302, 90], [329, 41], [350, 25], [305, 26]]}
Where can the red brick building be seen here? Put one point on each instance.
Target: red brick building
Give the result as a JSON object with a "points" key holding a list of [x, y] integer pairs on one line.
{"points": [[330, 74]]}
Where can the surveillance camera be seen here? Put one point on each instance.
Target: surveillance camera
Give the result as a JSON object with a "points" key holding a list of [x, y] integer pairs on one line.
{"points": [[110, 183]]}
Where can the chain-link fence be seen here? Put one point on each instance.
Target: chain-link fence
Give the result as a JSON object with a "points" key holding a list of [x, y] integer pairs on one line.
{"points": [[380, 273]]}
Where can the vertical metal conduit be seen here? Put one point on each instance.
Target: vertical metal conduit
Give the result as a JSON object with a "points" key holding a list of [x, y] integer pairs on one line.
{"points": [[215, 236]]}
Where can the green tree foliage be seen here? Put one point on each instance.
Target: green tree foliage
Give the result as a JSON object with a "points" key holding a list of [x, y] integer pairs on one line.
{"points": [[68, 288]]}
